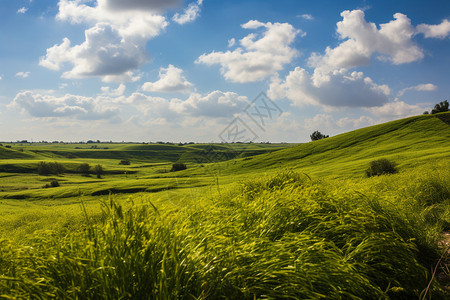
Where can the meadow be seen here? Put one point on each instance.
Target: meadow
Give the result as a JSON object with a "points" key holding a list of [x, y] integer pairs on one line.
{"points": [[243, 221]]}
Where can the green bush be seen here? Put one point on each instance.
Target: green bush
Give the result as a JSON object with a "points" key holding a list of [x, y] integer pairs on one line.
{"points": [[53, 183], [178, 167], [125, 162], [380, 167]]}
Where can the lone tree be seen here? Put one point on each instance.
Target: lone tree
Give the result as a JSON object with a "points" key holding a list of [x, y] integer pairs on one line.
{"points": [[317, 135], [440, 107], [98, 169]]}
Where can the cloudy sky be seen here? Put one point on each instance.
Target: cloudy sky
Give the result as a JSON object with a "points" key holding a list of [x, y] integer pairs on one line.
{"points": [[174, 70]]}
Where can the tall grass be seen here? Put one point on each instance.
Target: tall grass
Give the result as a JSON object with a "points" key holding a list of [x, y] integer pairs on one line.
{"points": [[278, 237]]}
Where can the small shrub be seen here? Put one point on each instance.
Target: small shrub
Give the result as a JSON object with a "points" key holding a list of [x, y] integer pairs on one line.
{"points": [[53, 183], [125, 162], [178, 167], [380, 167]]}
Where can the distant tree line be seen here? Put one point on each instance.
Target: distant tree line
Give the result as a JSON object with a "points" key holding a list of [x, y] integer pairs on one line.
{"points": [[50, 168], [55, 168]]}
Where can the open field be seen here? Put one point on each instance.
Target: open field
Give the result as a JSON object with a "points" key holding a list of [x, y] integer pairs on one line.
{"points": [[243, 221]]}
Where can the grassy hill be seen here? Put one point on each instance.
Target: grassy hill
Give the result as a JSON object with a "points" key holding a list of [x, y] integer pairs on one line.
{"points": [[410, 142]]}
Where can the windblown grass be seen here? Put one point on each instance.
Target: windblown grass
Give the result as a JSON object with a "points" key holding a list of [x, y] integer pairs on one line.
{"points": [[285, 236]]}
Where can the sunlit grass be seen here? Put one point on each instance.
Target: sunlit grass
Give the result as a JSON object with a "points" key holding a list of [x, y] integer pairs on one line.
{"points": [[282, 236]]}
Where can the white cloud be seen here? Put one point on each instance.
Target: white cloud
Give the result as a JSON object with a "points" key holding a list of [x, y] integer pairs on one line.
{"points": [[22, 10], [171, 80], [425, 87], [50, 106], [320, 122], [393, 41], [216, 104], [231, 42], [56, 56], [189, 14], [103, 53], [259, 56], [342, 89], [360, 122], [115, 45], [106, 90], [396, 110], [152, 6], [327, 124], [128, 76], [307, 17], [23, 74], [440, 31]]}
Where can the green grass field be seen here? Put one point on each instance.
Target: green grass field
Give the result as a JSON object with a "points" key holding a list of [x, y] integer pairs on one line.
{"points": [[243, 221]]}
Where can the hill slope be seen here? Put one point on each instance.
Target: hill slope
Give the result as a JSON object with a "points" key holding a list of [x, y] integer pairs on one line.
{"points": [[409, 142]]}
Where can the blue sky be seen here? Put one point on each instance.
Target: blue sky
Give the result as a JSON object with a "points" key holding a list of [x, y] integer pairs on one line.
{"points": [[173, 70]]}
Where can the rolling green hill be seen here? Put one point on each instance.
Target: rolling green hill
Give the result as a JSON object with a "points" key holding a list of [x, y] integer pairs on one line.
{"points": [[410, 142]]}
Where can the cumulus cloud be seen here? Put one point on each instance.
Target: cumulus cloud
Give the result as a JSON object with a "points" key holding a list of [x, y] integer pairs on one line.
{"points": [[56, 56], [360, 122], [231, 42], [320, 122], [171, 80], [216, 104], [425, 87], [50, 106], [330, 125], [23, 74], [392, 41], [114, 46], [153, 6], [440, 31], [106, 90], [342, 89], [259, 55], [189, 14], [103, 53], [22, 10], [396, 110]]}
